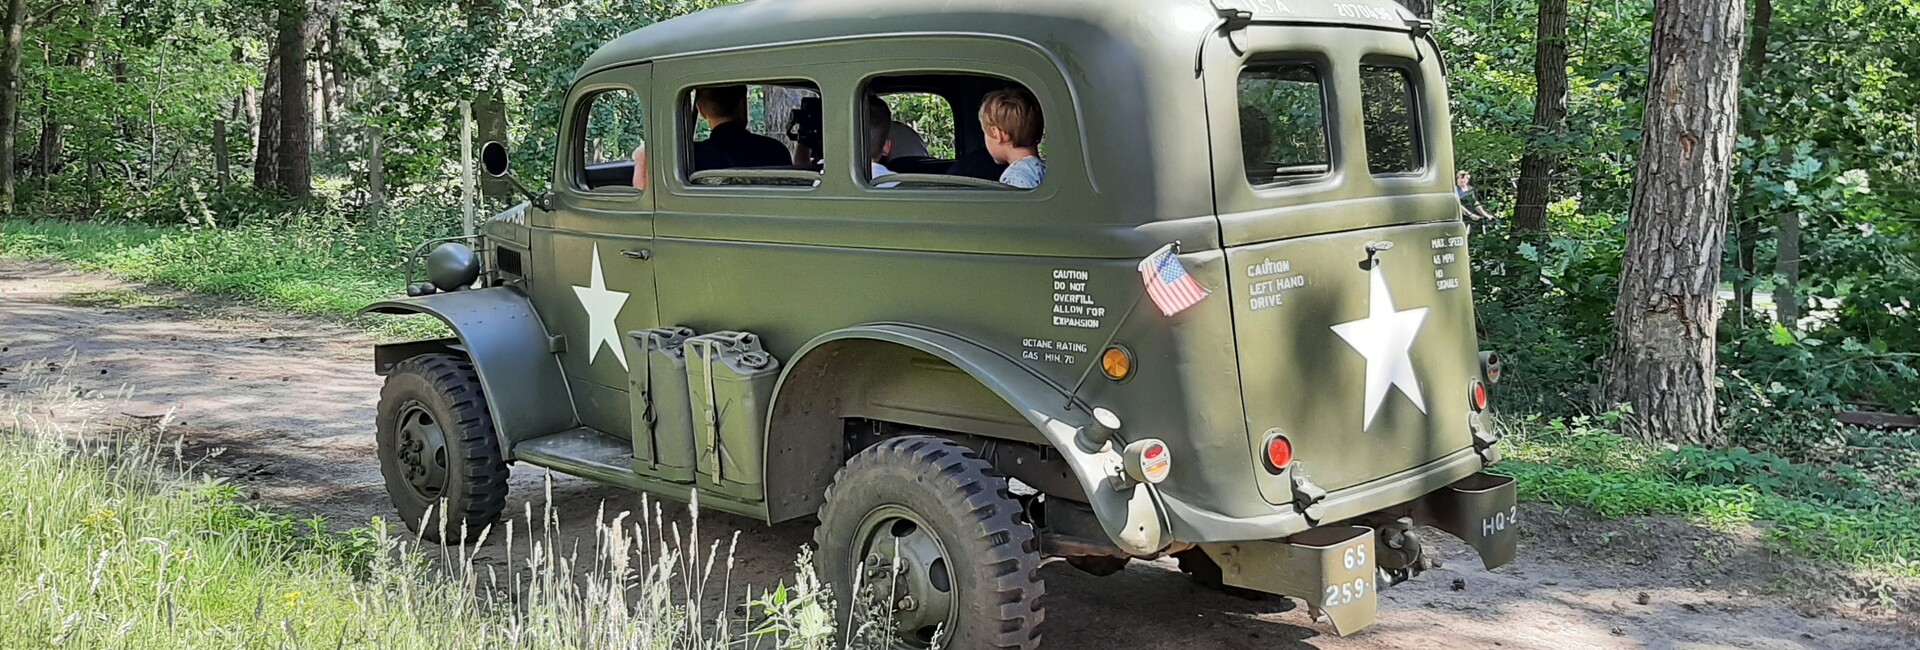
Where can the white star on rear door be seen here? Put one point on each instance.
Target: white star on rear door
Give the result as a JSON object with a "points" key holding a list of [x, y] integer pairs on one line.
{"points": [[602, 306], [1385, 338]]}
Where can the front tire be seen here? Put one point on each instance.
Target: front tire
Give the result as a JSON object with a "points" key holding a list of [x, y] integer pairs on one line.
{"points": [[968, 567], [437, 445]]}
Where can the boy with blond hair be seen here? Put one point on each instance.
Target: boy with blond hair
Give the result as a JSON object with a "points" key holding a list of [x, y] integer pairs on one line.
{"points": [[1011, 121]]}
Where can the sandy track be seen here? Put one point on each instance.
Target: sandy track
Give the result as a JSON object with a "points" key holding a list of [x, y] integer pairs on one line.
{"points": [[291, 402]]}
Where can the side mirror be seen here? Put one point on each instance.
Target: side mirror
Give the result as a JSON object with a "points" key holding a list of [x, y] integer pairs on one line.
{"points": [[493, 159]]}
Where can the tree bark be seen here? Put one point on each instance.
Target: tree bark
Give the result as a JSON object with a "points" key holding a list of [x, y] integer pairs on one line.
{"points": [[1786, 293], [376, 174], [1747, 224], [780, 102], [294, 157], [1663, 356], [1421, 8], [266, 153], [16, 22], [1549, 112]]}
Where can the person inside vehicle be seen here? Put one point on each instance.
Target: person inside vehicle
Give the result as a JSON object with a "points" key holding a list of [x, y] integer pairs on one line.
{"points": [[1011, 120], [879, 138], [729, 145]]}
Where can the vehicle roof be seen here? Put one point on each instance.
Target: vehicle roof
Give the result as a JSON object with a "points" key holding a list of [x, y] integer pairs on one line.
{"points": [[1148, 27]]}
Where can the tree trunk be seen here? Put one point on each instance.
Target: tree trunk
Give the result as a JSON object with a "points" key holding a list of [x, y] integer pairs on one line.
{"points": [[295, 176], [376, 174], [220, 165], [50, 157], [780, 102], [16, 22], [1549, 111], [1747, 224], [1786, 291], [1662, 361], [266, 152]]}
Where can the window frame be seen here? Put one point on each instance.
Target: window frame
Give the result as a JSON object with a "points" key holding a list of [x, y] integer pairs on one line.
{"points": [[1331, 142], [1409, 73]]}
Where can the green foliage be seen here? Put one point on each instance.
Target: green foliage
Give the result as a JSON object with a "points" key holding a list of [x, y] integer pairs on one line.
{"points": [[1830, 512], [315, 264]]}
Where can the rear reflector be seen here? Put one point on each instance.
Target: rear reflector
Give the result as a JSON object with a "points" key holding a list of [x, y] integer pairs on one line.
{"points": [[1279, 453], [1477, 395], [1148, 461]]}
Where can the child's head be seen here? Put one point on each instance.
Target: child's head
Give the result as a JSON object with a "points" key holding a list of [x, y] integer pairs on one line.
{"points": [[879, 126], [1011, 121]]}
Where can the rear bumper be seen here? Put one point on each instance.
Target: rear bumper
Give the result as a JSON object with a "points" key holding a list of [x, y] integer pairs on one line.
{"points": [[1335, 568], [1192, 523]]}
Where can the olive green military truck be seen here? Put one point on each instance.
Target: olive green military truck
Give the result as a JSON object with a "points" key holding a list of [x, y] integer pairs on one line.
{"points": [[1232, 324]]}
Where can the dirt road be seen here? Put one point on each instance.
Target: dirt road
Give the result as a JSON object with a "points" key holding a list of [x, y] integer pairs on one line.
{"points": [[291, 401]]}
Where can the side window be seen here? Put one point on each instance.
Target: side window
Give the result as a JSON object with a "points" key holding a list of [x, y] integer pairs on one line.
{"points": [[1393, 134], [950, 130], [1283, 123], [609, 126], [752, 134]]}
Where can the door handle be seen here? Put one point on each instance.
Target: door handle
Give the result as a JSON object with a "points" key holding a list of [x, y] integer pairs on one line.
{"points": [[638, 253]]}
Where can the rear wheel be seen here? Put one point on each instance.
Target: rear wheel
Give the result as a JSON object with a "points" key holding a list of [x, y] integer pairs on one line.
{"points": [[924, 545], [437, 445]]}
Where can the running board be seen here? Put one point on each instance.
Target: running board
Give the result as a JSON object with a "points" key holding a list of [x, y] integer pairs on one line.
{"points": [[596, 456]]}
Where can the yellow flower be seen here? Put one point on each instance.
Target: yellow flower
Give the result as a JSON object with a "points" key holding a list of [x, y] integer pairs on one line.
{"points": [[292, 598]]}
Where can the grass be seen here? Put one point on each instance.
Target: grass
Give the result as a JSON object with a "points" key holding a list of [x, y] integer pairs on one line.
{"points": [[312, 266], [109, 540], [1583, 463]]}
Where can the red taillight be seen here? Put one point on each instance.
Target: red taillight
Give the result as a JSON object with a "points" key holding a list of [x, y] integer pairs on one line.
{"points": [[1279, 454], [1155, 452], [1478, 396]]}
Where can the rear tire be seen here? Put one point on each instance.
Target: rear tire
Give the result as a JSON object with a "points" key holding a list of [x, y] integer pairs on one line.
{"points": [[969, 566], [437, 445]]}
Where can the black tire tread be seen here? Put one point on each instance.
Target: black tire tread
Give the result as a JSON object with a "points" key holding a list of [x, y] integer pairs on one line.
{"points": [[966, 484], [470, 433]]}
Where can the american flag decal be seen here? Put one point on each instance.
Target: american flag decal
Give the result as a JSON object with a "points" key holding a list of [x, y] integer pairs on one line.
{"points": [[1168, 283]]}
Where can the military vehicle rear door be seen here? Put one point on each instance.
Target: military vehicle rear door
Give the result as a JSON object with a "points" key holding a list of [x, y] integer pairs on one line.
{"points": [[596, 281]]}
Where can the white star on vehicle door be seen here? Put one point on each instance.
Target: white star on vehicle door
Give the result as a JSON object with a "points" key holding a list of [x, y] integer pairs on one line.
{"points": [[1385, 339], [602, 306]]}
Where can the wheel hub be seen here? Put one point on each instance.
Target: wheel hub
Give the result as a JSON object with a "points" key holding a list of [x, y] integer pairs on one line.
{"points": [[421, 448], [904, 574]]}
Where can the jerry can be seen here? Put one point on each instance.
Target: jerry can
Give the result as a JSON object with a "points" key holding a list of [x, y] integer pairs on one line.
{"points": [[730, 380], [662, 416]]}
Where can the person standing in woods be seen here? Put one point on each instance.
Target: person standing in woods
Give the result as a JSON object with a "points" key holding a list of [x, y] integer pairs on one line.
{"points": [[1470, 205]]}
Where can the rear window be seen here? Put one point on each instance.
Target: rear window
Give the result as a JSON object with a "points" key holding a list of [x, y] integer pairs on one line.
{"points": [[1393, 138], [1283, 122]]}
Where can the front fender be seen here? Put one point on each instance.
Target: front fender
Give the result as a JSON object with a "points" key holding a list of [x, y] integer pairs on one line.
{"points": [[502, 335], [800, 469]]}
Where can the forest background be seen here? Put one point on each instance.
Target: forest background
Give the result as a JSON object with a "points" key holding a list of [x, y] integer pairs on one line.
{"points": [[291, 152]]}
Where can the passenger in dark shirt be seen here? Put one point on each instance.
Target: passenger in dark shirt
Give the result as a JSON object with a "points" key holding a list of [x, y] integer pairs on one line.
{"points": [[729, 145]]}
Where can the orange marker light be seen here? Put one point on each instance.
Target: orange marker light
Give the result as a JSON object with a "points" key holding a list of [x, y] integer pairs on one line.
{"points": [[1116, 363]]}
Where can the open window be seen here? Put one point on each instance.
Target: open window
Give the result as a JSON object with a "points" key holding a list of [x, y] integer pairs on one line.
{"points": [[1393, 131], [609, 126], [752, 134], [933, 138], [1283, 122]]}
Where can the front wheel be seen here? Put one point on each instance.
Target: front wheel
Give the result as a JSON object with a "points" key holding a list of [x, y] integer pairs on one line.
{"points": [[920, 538], [437, 445]]}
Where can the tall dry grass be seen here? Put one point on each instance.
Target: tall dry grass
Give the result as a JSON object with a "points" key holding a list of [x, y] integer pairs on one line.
{"points": [[111, 536]]}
